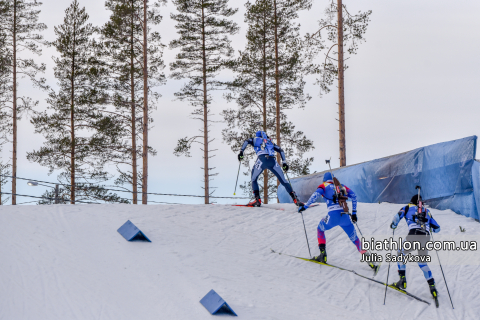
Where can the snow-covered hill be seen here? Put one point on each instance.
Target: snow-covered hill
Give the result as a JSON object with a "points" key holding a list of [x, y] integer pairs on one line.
{"points": [[68, 262]]}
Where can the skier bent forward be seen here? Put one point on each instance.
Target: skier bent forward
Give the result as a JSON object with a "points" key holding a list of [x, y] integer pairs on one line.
{"points": [[265, 150]]}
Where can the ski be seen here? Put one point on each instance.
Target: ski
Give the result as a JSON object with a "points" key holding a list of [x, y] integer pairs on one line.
{"points": [[244, 205], [436, 301], [354, 272]]}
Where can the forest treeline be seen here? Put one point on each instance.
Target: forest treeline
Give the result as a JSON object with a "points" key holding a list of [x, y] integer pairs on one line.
{"points": [[109, 80]]}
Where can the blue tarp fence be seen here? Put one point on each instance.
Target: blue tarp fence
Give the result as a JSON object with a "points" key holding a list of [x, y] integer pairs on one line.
{"points": [[447, 172]]}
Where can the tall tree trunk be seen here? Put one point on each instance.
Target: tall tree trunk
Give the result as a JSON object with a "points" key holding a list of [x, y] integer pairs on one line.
{"points": [[1, 173], [14, 106], [264, 96], [132, 92], [205, 113], [341, 88], [72, 122], [277, 86], [145, 107]]}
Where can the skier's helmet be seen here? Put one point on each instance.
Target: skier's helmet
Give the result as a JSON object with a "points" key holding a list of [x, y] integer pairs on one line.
{"points": [[259, 134], [414, 199], [327, 176]]}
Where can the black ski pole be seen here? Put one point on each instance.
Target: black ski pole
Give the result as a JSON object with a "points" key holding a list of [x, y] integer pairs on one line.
{"points": [[306, 236], [388, 273], [359, 229], [443, 274], [356, 224], [239, 164], [305, 229]]}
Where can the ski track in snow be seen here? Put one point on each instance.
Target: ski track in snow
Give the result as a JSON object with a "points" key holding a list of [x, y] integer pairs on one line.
{"points": [[69, 262]]}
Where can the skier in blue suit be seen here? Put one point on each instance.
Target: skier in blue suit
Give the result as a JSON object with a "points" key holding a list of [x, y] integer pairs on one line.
{"points": [[420, 226], [265, 150], [335, 216]]}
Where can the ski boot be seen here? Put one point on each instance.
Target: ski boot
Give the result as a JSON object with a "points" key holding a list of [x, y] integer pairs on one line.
{"points": [[402, 283], [433, 290], [257, 202], [322, 257], [375, 267], [295, 199]]}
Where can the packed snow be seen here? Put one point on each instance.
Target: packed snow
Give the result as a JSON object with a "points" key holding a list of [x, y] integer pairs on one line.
{"points": [[69, 262]]}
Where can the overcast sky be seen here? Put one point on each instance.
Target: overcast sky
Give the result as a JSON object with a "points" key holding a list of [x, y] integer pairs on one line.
{"points": [[413, 83]]}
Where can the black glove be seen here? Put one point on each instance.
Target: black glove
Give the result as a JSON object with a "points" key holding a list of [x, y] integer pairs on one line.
{"points": [[285, 167], [393, 226], [354, 217], [240, 156], [302, 208]]}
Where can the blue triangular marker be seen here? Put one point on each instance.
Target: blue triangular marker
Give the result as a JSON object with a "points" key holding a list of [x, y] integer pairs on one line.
{"points": [[130, 232], [213, 303]]}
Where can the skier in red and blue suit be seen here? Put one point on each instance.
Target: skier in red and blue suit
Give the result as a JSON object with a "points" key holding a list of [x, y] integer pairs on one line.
{"points": [[335, 216]]}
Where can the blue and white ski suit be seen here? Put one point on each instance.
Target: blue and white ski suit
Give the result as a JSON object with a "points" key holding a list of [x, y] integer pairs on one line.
{"points": [[334, 217], [266, 160], [416, 233]]}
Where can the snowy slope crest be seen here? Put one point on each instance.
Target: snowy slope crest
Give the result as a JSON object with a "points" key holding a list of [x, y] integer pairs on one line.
{"points": [[68, 262]]}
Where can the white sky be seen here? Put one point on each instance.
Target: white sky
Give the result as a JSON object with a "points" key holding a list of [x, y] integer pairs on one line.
{"points": [[413, 83]]}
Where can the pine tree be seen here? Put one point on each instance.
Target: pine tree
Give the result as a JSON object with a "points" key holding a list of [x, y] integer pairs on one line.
{"points": [[343, 30], [123, 51], [255, 88], [4, 175], [5, 87], [288, 65], [5, 127], [204, 28], [74, 125], [90, 194], [20, 32]]}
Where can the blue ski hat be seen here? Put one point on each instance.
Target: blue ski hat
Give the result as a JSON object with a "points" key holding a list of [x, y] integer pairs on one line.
{"points": [[327, 176], [259, 134]]}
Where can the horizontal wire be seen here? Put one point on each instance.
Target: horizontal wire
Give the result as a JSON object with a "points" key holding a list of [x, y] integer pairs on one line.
{"points": [[25, 195], [138, 192]]}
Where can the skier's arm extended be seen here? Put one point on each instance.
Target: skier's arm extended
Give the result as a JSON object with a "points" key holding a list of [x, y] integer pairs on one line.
{"points": [[433, 224], [279, 150], [313, 198], [396, 219], [246, 143]]}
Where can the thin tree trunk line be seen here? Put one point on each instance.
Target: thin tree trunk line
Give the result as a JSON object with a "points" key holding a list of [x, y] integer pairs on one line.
{"points": [[264, 98], [14, 138], [132, 92], [341, 87], [205, 111], [72, 120], [277, 87], [145, 108]]}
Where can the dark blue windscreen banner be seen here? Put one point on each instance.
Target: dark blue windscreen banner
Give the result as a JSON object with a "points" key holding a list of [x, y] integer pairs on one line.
{"points": [[447, 173]]}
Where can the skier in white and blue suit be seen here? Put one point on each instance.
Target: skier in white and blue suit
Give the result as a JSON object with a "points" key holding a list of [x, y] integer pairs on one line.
{"points": [[420, 226], [265, 150]]}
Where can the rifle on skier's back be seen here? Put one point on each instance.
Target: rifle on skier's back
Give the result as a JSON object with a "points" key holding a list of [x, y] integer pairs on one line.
{"points": [[341, 195], [340, 192]]}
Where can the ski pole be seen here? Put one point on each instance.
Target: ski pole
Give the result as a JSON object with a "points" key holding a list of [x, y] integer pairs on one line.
{"points": [[356, 224], [388, 273], [359, 230], [443, 274], [239, 164], [308, 245], [305, 229]]}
